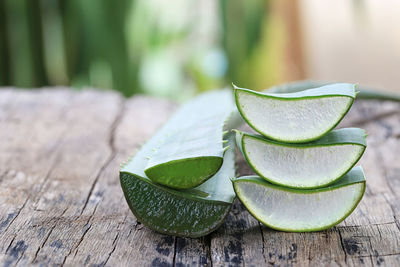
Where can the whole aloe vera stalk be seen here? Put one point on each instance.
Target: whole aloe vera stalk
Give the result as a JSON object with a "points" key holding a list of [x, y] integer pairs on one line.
{"points": [[190, 146], [191, 212]]}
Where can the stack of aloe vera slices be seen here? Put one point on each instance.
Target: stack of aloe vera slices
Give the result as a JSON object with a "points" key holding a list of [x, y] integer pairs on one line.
{"points": [[179, 181], [306, 180]]}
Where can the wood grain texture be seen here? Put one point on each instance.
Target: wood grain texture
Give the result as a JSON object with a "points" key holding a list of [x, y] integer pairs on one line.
{"points": [[61, 203]]}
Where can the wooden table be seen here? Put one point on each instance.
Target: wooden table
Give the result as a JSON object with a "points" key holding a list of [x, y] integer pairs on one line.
{"points": [[61, 202]]}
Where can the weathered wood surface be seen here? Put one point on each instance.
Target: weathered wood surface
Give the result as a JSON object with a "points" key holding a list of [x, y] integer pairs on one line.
{"points": [[61, 203]]}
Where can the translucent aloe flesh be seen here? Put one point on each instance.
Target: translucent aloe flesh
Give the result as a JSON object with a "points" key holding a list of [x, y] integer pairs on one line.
{"points": [[190, 212], [300, 210], [190, 146], [310, 165], [295, 117]]}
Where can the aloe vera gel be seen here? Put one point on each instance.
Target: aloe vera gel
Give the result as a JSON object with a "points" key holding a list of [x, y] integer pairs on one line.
{"points": [[306, 180], [295, 117]]}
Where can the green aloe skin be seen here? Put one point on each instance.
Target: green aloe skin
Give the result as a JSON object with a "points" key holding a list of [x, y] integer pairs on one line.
{"points": [[300, 210], [309, 165], [190, 212], [190, 146]]}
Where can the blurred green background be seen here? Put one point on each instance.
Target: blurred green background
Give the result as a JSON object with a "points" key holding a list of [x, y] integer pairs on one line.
{"points": [[178, 48], [163, 48]]}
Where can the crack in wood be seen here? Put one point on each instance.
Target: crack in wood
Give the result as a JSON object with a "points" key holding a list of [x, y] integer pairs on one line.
{"points": [[114, 245], [207, 243], [174, 258], [113, 153], [18, 212], [111, 144], [263, 242], [371, 248], [342, 245], [9, 245], [86, 228], [47, 236]]}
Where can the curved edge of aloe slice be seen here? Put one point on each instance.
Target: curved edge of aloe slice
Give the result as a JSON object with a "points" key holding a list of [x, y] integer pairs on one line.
{"points": [[293, 129], [300, 210], [190, 145], [308, 166]]}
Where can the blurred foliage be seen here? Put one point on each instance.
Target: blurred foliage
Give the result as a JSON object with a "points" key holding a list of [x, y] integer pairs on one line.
{"points": [[165, 48]]}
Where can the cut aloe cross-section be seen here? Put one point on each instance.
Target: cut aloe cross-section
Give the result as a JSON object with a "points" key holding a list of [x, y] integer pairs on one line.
{"points": [[295, 117], [190, 145], [300, 210], [190, 212], [309, 165]]}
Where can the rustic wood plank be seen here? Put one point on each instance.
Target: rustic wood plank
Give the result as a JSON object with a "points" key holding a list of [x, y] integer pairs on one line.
{"points": [[61, 203]]}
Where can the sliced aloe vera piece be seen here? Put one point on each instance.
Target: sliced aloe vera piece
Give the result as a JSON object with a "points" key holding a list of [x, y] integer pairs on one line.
{"points": [[295, 117], [190, 145], [309, 165], [300, 210], [191, 212]]}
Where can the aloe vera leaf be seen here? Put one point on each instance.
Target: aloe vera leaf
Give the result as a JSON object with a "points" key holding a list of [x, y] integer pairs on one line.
{"points": [[300, 210], [295, 117], [190, 148], [364, 92], [191, 212], [310, 165]]}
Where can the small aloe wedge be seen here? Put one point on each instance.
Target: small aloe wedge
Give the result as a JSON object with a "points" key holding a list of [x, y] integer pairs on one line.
{"points": [[310, 165], [295, 117], [190, 146], [188, 212], [300, 210]]}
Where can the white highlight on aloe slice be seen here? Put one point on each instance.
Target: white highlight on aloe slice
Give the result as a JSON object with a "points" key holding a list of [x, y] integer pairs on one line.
{"points": [[310, 165], [301, 210], [295, 117]]}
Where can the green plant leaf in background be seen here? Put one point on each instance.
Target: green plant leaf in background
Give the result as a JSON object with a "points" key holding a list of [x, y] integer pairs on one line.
{"points": [[364, 91]]}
